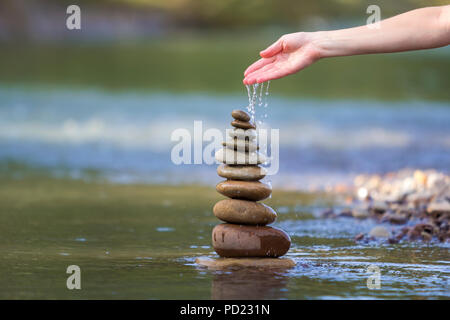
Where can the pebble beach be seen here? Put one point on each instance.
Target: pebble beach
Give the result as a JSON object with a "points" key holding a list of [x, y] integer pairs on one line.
{"points": [[415, 199]]}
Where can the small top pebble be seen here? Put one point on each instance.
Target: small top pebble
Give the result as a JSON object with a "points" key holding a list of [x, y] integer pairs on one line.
{"points": [[240, 115]]}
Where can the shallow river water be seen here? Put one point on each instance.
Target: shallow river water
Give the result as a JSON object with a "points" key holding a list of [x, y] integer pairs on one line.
{"points": [[86, 179], [141, 241]]}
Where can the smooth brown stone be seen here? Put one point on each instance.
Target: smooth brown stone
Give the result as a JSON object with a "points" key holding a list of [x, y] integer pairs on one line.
{"points": [[247, 190], [242, 124], [238, 172], [244, 212], [242, 145], [240, 115], [229, 156], [264, 263], [241, 134], [231, 240]]}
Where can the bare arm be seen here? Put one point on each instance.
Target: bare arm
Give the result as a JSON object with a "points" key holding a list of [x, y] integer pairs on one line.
{"points": [[417, 29]]}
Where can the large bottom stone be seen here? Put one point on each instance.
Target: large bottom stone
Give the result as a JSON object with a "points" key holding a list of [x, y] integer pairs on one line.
{"points": [[232, 240], [266, 263]]}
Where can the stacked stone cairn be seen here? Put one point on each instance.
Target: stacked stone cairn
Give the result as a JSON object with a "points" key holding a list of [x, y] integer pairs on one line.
{"points": [[245, 232]]}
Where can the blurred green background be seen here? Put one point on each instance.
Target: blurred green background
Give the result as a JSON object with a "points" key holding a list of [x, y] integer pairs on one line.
{"points": [[201, 45]]}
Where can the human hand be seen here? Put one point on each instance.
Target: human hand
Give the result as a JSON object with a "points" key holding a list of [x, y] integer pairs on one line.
{"points": [[289, 54], [295, 51]]}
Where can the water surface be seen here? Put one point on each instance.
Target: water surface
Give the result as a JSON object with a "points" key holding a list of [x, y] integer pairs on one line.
{"points": [[140, 242]]}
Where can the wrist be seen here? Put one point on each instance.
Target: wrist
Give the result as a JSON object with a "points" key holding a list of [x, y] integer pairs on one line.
{"points": [[324, 43]]}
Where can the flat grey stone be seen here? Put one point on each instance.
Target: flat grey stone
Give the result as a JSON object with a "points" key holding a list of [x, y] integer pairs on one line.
{"points": [[223, 263]]}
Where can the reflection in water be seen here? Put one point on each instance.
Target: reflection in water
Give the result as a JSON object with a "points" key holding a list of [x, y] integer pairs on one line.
{"points": [[249, 284]]}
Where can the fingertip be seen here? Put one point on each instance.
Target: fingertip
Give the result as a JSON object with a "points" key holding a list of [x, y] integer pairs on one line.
{"points": [[249, 71], [271, 50], [264, 54]]}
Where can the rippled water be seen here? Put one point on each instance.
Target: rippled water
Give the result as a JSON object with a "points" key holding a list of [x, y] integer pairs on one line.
{"points": [[341, 272], [331, 266], [141, 241]]}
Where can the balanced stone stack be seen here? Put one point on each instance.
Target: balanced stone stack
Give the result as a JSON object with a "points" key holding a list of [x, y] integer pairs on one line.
{"points": [[244, 233]]}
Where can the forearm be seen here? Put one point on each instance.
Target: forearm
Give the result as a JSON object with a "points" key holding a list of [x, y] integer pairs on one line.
{"points": [[414, 30]]}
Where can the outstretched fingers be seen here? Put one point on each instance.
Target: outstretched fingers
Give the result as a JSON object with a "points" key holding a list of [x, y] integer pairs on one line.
{"points": [[273, 49], [257, 65], [284, 69], [272, 74], [253, 77]]}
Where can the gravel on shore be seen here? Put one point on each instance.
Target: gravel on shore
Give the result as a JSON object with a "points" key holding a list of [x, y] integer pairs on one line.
{"points": [[418, 199]]}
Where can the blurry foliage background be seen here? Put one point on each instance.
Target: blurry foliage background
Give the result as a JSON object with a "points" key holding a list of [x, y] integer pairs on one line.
{"points": [[238, 13], [204, 45]]}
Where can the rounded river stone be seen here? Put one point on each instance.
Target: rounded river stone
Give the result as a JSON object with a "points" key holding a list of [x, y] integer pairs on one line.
{"points": [[230, 156], [244, 212], [231, 240], [240, 115], [247, 190], [249, 134], [240, 145], [242, 124], [238, 172]]}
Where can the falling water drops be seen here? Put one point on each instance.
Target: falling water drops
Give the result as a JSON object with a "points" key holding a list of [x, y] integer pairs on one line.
{"points": [[252, 98], [258, 99], [261, 95], [266, 95]]}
